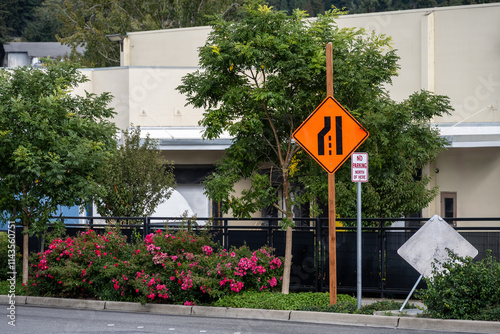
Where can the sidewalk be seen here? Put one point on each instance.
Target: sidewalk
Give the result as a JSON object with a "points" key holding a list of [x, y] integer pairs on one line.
{"points": [[405, 322]]}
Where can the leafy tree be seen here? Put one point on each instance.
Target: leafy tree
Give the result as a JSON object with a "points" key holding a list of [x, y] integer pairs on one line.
{"points": [[263, 75], [51, 144], [135, 179]]}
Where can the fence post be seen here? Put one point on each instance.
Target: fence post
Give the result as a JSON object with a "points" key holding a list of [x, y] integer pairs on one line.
{"points": [[270, 232], [322, 250], [146, 226], [316, 253], [225, 236], [382, 258]]}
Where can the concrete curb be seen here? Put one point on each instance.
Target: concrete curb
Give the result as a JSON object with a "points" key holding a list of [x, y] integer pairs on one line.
{"points": [[463, 326], [450, 325], [66, 302], [6, 300], [152, 308], [344, 319]]}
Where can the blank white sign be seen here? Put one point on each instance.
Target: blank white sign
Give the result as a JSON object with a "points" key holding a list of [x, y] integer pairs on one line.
{"points": [[429, 243]]}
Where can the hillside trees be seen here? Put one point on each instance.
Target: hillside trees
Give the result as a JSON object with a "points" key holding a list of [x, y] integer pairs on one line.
{"points": [[87, 22], [51, 144], [262, 75]]}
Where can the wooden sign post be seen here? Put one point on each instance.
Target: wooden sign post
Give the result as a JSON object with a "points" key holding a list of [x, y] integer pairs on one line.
{"points": [[330, 135], [332, 232]]}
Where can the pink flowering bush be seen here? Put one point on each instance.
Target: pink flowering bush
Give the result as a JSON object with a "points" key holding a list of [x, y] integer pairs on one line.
{"points": [[165, 267]]}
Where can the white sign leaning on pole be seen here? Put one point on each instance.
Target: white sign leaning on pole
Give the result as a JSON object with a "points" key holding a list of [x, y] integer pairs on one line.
{"points": [[430, 244], [359, 167]]}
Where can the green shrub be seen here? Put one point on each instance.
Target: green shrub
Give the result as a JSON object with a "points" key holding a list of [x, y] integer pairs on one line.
{"points": [[303, 301], [311, 301], [464, 289]]}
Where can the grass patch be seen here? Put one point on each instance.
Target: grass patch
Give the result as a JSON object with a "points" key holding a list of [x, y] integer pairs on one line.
{"points": [[303, 301], [5, 288], [278, 301]]}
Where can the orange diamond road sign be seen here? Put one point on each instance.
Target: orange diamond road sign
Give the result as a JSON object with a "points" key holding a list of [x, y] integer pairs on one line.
{"points": [[330, 134]]}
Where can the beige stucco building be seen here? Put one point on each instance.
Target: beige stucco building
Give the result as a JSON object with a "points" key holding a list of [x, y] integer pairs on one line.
{"points": [[453, 51]]}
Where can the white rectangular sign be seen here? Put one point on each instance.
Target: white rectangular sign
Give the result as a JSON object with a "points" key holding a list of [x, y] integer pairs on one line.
{"points": [[359, 167]]}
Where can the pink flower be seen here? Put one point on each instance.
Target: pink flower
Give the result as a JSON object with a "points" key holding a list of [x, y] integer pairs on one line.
{"points": [[236, 286], [207, 249], [275, 263], [272, 282]]}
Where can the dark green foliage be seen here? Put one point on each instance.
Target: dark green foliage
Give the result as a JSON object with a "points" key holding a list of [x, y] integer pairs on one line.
{"points": [[45, 25], [465, 289]]}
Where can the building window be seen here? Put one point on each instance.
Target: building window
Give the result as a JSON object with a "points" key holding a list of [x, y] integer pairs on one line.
{"points": [[449, 206]]}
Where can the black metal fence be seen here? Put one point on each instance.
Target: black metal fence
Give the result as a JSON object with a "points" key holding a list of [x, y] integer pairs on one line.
{"points": [[384, 272]]}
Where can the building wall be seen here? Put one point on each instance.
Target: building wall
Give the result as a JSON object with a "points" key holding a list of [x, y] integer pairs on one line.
{"points": [[474, 174], [171, 47], [452, 51]]}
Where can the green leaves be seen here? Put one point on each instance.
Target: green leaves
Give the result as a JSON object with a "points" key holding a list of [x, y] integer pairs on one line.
{"points": [[49, 158], [466, 289], [135, 178]]}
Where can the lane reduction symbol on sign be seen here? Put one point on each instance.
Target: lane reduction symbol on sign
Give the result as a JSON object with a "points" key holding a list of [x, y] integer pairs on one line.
{"points": [[330, 144]]}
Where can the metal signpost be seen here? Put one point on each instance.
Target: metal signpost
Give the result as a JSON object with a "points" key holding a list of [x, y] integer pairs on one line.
{"points": [[359, 173], [330, 135]]}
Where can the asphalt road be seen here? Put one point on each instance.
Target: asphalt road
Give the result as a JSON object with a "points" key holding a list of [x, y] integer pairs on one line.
{"points": [[40, 320]]}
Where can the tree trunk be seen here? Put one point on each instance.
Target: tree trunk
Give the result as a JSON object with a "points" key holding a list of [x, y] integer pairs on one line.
{"points": [[285, 288], [25, 252], [25, 221]]}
